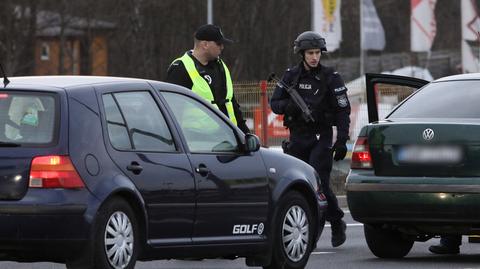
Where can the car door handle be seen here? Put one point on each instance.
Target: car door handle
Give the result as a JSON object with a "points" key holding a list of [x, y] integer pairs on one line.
{"points": [[135, 168], [202, 170]]}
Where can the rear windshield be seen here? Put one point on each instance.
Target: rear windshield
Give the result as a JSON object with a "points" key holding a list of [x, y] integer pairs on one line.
{"points": [[27, 118], [449, 99]]}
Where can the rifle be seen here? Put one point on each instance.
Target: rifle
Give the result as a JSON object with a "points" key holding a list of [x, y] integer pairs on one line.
{"points": [[297, 99]]}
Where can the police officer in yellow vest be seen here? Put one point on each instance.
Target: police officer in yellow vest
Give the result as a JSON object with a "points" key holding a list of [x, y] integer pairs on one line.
{"points": [[202, 70]]}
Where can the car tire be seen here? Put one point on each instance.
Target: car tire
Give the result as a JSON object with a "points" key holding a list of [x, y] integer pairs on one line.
{"points": [[292, 234], [95, 254], [116, 236], [386, 243]]}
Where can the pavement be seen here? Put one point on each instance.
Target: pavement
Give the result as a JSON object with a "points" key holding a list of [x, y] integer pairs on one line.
{"points": [[342, 201]]}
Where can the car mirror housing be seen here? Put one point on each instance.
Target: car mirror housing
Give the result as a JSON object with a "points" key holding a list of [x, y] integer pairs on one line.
{"points": [[252, 142]]}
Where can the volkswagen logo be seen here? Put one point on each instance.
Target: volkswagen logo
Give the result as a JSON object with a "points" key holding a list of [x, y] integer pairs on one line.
{"points": [[428, 134]]}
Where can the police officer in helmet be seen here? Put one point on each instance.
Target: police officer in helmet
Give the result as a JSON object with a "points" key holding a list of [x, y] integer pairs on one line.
{"points": [[324, 91]]}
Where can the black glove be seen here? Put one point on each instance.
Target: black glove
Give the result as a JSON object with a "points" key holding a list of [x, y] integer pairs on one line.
{"points": [[340, 150], [292, 109]]}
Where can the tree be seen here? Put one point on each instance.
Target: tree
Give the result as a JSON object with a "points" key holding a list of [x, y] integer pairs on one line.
{"points": [[17, 36]]}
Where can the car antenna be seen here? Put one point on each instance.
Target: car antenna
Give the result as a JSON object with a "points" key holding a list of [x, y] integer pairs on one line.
{"points": [[5, 79]]}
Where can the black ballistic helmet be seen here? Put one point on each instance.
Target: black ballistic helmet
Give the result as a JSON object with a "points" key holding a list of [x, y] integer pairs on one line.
{"points": [[309, 40]]}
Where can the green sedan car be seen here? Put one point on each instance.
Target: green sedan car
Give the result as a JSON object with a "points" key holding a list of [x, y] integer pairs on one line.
{"points": [[415, 173]]}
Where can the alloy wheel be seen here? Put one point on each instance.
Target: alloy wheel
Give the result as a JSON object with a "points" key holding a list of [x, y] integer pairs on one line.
{"points": [[295, 233], [119, 240]]}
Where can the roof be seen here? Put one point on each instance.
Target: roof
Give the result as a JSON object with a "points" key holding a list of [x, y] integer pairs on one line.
{"points": [[469, 76], [74, 83], [49, 24], [69, 81]]}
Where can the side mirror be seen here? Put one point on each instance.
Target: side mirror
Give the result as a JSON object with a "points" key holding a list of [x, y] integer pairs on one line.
{"points": [[252, 142]]}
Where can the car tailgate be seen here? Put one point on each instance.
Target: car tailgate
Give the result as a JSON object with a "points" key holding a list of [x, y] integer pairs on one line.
{"points": [[428, 149], [28, 128]]}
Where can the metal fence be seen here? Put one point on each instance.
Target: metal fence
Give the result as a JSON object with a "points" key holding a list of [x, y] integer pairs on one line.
{"points": [[253, 97]]}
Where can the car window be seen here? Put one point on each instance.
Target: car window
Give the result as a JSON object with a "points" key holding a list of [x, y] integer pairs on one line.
{"points": [[117, 129], [449, 99], [204, 130], [27, 117], [134, 121]]}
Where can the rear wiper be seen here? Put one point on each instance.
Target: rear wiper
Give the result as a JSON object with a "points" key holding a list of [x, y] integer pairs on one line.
{"points": [[9, 144]]}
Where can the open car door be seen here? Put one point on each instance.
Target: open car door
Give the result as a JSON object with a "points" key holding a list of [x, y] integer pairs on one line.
{"points": [[384, 92]]}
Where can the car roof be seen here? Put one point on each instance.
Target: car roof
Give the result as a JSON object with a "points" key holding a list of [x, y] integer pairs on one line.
{"points": [[469, 76], [68, 81], [71, 82]]}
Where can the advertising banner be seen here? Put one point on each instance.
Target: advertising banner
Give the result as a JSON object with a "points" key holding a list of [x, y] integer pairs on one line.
{"points": [[327, 22]]}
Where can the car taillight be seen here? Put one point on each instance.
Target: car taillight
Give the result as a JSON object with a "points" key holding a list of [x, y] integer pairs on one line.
{"points": [[54, 172], [361, 158]]}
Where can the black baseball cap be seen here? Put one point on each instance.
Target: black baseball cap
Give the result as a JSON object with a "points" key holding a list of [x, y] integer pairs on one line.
{"points": [[210, 32]]}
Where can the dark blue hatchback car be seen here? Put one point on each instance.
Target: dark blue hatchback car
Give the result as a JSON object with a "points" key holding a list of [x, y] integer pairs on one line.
{"points": [[99, 172]]}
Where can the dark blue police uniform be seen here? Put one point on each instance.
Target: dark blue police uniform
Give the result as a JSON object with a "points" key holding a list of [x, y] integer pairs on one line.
{"points": [[324, 91]]}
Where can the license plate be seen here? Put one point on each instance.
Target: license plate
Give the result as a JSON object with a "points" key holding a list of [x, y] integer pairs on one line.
{"points": [[430, 154]]}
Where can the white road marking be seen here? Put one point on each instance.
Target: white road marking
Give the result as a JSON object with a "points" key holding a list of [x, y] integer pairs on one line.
{"points": [[348, 225], [321, 252]]}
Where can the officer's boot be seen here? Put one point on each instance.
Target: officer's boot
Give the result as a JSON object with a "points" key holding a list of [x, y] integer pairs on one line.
{"points": [[338, 232]]}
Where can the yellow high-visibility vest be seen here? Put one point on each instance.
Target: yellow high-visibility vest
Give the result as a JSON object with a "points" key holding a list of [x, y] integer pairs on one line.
{"points": [[201, 87]]}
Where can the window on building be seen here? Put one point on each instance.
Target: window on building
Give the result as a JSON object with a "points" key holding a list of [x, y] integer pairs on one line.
{"points": [[45, 53]]}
